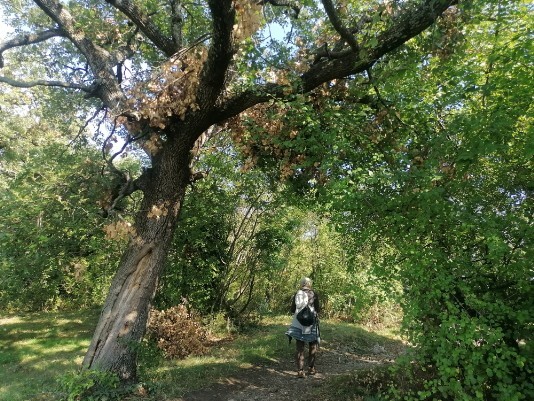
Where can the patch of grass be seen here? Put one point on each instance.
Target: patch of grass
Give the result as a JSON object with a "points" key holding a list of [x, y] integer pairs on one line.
{"points": [[36, 348], [259, 345], [361, 385], [359, 339]]}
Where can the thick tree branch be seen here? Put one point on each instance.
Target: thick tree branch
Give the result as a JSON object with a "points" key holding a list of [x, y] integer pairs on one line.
{"points": [[246, 99], [407, 25], [219, 55], [100, 60], [283, 3], [177, 22], [335, 20], [325, 52], [30, 84], [145, 25], [124, 187], [28, 40]]}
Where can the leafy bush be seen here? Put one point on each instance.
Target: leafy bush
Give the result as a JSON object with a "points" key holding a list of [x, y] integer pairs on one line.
{"points": [[92, 385], [54, 251], [455, 203], [178, 332], [471, 340]]}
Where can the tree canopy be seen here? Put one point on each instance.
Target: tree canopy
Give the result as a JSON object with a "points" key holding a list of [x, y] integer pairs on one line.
{"points": [[406, 124]]}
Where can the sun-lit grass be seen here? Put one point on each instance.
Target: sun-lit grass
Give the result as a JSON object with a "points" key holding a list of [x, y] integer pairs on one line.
{"points": [[37, 349], [263, 344], [362, 339]]}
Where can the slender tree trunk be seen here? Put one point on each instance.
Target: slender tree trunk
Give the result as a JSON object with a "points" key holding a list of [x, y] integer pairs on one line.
{"points": [[124, 317]]}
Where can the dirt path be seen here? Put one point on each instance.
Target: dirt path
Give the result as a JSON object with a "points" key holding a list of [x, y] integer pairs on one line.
{"points": [[279, 382]]}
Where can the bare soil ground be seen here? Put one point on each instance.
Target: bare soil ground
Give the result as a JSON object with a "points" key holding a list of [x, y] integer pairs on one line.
{"points": [[278, 381]]}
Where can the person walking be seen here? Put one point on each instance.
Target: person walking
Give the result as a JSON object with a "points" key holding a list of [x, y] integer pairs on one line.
{"points": [[305, 333]]}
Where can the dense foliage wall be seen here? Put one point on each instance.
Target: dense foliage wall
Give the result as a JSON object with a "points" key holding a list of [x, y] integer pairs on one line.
{"points": [[453, 199], [235, 231], [54, 249], [244, 242]]}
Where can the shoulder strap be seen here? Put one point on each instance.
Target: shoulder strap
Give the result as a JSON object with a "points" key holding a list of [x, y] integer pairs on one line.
{"points": [[311, 296]]}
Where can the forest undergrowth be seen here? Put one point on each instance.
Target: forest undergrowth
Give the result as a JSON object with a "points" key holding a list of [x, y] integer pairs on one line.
{"points": [[41, 353]]}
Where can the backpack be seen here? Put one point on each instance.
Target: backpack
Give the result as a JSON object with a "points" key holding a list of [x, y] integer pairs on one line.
{"points": [[306, 317]]}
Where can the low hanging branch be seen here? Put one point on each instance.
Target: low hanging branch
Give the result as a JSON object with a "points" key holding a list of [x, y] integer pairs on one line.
{"points": [[28, 40], [29, 84]]}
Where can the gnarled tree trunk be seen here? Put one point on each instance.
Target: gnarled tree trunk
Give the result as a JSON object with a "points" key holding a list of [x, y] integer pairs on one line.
{"points": [[123, 320]]}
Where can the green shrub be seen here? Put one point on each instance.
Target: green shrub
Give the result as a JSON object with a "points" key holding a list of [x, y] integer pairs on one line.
{"points": [[474, 339], [92, 385]]}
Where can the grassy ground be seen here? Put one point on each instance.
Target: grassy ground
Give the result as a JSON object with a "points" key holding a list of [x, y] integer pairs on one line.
{"points": [[257, 346], [37, 349]]}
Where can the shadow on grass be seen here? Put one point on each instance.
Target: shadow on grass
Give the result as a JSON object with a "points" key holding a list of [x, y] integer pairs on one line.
{"points": [[36, 348], [260, 364]]}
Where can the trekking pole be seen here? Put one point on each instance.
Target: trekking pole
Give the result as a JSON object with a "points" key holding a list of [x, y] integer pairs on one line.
{"points": [[318, 333]]}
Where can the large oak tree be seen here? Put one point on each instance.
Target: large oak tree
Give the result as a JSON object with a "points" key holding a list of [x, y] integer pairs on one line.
{"points": [[167, 73]]}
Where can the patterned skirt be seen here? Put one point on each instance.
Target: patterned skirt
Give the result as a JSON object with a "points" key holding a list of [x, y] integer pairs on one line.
{"points": [[296, 333]]}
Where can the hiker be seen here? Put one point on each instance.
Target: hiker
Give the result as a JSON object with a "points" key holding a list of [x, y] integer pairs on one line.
{"points": [[305, 331]]}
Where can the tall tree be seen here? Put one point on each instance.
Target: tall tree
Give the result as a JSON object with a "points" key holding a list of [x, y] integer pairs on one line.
{"points": [[449, 189], [166, 73]]}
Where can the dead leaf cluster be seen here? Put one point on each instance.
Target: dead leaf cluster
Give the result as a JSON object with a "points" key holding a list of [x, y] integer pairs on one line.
{"points": [[178, 332]]}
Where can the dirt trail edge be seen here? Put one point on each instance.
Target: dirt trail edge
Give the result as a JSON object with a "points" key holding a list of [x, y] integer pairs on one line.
{"points": [[277, 381]]}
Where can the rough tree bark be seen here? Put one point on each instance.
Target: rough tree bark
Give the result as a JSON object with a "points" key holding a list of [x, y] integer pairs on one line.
{"points": [[125, 313], [123, 320]]}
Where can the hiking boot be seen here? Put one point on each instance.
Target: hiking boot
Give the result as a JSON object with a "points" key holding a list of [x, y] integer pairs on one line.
{"points": [[300, 374], [311, 370]]}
